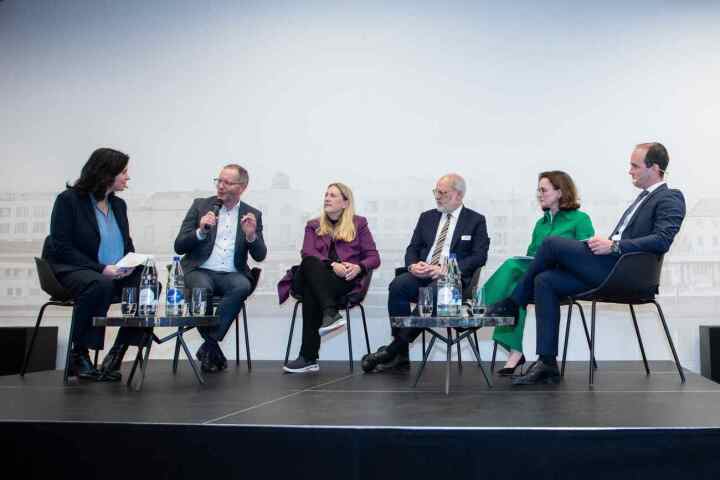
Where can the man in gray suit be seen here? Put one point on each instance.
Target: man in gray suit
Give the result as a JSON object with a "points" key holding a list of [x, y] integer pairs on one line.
{"points": [[215, 238]]}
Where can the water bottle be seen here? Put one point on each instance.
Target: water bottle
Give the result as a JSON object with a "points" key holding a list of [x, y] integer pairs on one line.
{"points": [[444, 291], [147, 302], [455, 281], [175, 299]]}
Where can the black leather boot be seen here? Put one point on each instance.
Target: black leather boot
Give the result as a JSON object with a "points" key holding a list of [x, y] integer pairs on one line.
{"points": [[81, 366], [110, 368]]}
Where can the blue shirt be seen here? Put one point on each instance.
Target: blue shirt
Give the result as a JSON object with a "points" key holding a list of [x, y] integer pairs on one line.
{"points": [[112, 244]]}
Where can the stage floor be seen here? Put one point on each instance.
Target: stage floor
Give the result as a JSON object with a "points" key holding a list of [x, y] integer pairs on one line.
{"points": [[623, 397]]}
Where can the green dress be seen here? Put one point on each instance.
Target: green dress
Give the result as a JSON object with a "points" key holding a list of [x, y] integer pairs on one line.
{"points": [[567, 223]]}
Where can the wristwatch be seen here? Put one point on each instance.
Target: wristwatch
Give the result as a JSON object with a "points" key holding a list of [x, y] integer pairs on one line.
{"points": [[615, 248]]}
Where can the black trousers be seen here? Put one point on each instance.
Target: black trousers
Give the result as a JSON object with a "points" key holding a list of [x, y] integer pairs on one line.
{"points": [[320, 288], [402, 291], [93, 293]]}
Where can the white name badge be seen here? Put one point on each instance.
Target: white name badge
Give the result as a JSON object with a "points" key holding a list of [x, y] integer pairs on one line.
{"points": [[466, 237]]}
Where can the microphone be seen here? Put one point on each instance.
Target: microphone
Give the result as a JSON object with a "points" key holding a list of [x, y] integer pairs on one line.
{"points": [[215, 209]]}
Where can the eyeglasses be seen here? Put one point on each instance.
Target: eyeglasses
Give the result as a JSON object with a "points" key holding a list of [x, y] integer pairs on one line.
{"points": [[542, 191], [218, 181], [441, 193]]}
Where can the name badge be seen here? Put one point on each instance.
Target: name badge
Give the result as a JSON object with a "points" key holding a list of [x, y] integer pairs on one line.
{"points": [[466, 237]]}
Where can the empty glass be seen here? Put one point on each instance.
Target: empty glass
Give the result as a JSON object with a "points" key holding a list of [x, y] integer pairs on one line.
{"points": [[199, 301], [425, 301], [128, 303]]}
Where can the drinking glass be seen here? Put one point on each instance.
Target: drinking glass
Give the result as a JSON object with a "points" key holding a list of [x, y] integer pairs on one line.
{"points": [[128, 305], [199, 301], [425, 301], [478, 301]]}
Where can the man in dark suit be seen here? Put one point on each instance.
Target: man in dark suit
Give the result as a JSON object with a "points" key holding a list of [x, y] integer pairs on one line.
{"points": [[215, 238], [565, 267], [450, 227]]}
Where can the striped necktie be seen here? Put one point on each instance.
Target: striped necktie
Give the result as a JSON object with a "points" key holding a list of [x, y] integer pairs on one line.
{"points": [[435, 260], [624, 217]]}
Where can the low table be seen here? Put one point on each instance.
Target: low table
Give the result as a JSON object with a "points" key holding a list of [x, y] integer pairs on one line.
{"points": [[182, 323], [470, 323]]}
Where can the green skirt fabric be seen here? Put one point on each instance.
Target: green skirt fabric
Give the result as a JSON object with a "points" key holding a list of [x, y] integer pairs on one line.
{"points": [[498, 287]]}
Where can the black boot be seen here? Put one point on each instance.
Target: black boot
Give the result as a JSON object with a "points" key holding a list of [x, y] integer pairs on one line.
{"points": [[81, 366], [110, 369]]}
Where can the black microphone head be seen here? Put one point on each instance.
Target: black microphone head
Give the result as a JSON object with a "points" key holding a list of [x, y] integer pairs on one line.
{"points": [[216, 206]]}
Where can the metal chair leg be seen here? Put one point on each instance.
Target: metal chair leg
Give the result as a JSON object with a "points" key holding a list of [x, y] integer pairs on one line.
{"points": [[247, 342], [567, 336], [367, 339], [69, 347], [672, 345], [592, 344], [639, 339], [176, 357], [587, 335], [349, 335], [290, 336], [237, 337], [494, 355], [32, 340]]}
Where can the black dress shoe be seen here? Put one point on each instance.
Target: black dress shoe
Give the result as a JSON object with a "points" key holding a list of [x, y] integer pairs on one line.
{"points": [[372, 360], [539, 372], [82, 367], [508, 372], [503, 308], [110, 368], [208, 366], [399, 364]]}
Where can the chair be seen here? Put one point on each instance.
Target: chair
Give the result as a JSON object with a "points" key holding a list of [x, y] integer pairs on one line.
{"points": [[347, 302], [569, 302], [215, 302], [634, 280], [59, 297]]}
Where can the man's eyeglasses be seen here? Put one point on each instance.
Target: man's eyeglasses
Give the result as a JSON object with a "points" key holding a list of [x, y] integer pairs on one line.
{"points": [[441, 193], [218, 181]]}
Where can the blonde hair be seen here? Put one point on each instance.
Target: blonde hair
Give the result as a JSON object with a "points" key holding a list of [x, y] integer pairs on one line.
{"points": [[345, 228]]}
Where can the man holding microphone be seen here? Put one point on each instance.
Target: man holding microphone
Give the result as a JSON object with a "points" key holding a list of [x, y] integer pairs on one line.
{"points": [[215, 238]]}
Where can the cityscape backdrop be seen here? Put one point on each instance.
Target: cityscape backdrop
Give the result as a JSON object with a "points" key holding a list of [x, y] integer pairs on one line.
{"points": [[384, 97]]}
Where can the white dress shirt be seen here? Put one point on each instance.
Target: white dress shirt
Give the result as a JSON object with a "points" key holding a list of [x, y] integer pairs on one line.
{"points": [[222, 258], [624, 225], [454, 215]]}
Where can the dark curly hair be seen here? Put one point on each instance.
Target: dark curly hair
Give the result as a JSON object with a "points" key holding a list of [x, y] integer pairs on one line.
{"points": [[99, 172]]}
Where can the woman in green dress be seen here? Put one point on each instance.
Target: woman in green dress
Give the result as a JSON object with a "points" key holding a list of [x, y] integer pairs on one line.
{"points": [[558, 198]]}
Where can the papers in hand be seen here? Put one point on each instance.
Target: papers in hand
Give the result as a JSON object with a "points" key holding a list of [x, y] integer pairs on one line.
{"points": [[523, 257], [132, 260]]}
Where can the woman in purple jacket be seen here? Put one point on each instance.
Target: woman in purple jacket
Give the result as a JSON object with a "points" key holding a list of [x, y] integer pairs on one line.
{"points": [[337, 253]]}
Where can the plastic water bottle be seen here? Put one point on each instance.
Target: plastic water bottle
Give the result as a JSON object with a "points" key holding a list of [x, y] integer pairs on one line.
{"points": [[455, 280], [175, 299], [444, 291], [148, 298]]}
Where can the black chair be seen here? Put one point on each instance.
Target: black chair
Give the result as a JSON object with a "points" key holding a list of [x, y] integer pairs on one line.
{"points": [[214, 303], [347, 303], [59, 297], [634, 280], [565, 303]]}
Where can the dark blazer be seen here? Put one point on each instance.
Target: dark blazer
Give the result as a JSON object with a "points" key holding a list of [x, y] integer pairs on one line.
{"points": [[196, 251], [656, 222], [470, 241], [74, 234]]}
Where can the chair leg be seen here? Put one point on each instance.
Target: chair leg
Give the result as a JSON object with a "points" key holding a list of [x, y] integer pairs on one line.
{"points": [[640, 343], [367, 339], [32, 340], [459, 350], [350, 354], [290, 336], [69, 349], [95, 360], [672, 345], [592, 344], [423, 340], [587, 335], [567, 336], [494, 355], [176, 357], [237, 337], [247, 341]]}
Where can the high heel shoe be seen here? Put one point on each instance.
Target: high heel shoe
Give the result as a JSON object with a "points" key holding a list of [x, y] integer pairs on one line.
{"points": [[508, 372]]}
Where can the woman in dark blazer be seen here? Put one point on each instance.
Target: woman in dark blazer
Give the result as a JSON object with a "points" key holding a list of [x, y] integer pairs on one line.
{"points": [[89, 234], [338, 252]]}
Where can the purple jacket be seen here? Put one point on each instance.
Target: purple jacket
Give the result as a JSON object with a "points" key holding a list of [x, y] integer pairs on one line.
{"points": [[360, 251]]}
